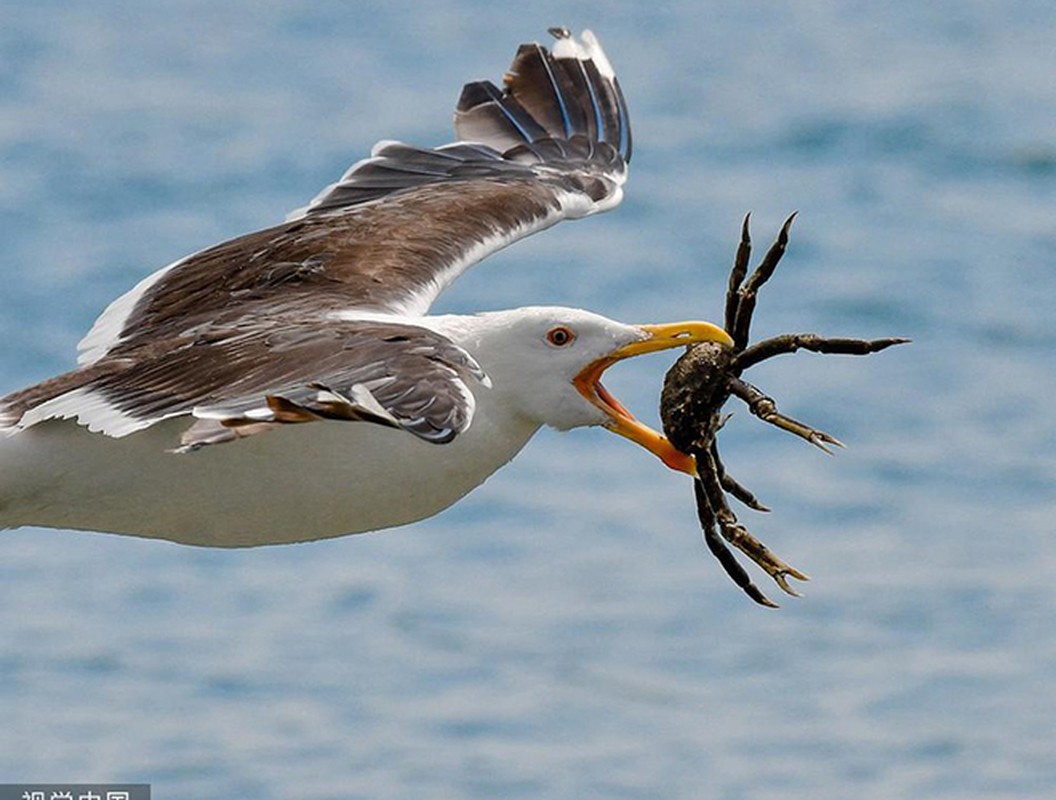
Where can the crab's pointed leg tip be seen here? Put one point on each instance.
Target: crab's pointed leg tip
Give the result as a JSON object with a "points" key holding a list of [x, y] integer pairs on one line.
{"points": [[883, 344], [757, 596], [818, 443], [780, 580], [822, 440]]}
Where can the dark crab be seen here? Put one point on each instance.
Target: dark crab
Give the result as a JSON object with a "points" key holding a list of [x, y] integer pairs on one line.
{"points": [[700, 383]]}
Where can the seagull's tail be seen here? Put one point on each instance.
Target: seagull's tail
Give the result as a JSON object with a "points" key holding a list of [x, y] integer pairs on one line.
{"points": [[568, 94]]}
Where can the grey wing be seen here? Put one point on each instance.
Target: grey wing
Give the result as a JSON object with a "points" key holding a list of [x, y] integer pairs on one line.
{"points": [[399, 227], [245, 381]]}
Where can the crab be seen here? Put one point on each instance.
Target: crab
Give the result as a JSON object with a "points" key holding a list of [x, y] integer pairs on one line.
{"points": [[697, 387]]}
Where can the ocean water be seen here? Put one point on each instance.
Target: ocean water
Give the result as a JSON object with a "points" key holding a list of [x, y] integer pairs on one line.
{"points": [[562, 632]]}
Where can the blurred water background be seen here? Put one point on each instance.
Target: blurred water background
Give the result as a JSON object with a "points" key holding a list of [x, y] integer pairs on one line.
{"points": [[562, 632]]}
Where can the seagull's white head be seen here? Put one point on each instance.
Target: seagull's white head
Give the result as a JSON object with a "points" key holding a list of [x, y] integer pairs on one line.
{"points": [[547, 362]]}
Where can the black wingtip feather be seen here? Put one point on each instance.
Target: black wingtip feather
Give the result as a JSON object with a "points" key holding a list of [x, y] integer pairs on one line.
{"points": [[546, 97]]}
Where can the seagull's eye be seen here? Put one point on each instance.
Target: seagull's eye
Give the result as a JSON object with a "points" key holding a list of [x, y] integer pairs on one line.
{"points": [[560, 336]]}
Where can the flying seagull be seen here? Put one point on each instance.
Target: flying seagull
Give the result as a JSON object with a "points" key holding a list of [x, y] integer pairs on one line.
{"points": [[289, 384]]}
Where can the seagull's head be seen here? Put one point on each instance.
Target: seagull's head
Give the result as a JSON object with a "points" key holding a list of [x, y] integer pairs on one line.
{"points": [[548, 363]]}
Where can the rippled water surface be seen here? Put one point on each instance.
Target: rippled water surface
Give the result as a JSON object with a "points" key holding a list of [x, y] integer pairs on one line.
{"points": [[562, 633]]}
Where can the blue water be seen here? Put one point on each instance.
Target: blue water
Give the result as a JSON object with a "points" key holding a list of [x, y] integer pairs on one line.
{"points": [[562, 633]]}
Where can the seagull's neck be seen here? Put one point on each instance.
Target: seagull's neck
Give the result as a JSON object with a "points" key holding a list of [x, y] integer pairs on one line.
{"points": [[485, 336]]}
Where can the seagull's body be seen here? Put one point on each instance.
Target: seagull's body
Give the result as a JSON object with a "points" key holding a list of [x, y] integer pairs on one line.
{"points": [[289, 385], [289, 486], [292, 483]]}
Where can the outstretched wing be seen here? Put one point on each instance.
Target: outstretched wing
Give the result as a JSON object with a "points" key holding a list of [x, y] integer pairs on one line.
{"points": [[247, 379], [400, 226]]}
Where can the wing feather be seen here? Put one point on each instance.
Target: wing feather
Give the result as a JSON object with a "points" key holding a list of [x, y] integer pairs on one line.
{"points": [[250, 378]]}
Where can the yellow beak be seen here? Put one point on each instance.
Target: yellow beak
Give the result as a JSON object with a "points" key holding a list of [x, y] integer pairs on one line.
{"points": [[622, 421]]}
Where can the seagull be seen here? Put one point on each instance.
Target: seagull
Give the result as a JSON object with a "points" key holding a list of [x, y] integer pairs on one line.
{"points": [[289, 385]]}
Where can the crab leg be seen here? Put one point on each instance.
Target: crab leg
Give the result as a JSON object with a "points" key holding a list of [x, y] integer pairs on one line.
{"points": [[740, 537], [765, 409], [747, 293], [731, 485], [791, 342], [740, 269], [718, 548]]}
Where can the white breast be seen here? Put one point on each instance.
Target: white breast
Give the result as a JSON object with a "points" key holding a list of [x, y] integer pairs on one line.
{"points": [[293, 484]]}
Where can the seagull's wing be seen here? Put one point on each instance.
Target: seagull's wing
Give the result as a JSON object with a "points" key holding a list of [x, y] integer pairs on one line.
{"points": [[243, 380], [400, 226]]}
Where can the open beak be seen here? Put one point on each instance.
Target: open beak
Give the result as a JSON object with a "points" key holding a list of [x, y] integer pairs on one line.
{"points": [[622, 421]]}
